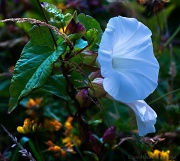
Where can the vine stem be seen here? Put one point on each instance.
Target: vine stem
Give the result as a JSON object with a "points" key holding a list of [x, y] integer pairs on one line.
{"points": [[41, 23], [44, 15]]}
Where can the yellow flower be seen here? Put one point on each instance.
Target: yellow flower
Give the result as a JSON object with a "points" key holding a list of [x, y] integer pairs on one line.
{"points": [[66, 140], [165, 155], [161, 155], [62, 29], [29, 126], [69, 142], [76, 140], [68, 125]]}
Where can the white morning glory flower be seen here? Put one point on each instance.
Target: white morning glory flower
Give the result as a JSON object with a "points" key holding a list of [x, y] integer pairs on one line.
{"points": [[127, 62], [129, 67], [145, 117]]}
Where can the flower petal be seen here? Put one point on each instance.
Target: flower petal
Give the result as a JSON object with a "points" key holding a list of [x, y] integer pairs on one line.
{"points": [[127, 62], [145, 117]]}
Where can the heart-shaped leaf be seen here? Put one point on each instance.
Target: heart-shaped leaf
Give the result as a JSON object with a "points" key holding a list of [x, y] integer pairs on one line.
{"points": [[35, 65]]}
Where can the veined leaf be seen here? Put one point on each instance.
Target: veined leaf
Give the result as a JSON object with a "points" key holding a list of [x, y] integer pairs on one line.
{"points": [[53, 10], [56, 13], [56, 85], [40, 36], [91, 36], [34, 67]]}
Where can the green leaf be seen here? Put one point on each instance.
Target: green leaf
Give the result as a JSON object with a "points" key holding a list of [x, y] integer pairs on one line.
{"points": [[90, 23], [76, 36], [56, 85], [89, 57], [91, 36], [92, 155], [40, 36], [80, 44], [53, 10], [34, 67], [77, 77]]}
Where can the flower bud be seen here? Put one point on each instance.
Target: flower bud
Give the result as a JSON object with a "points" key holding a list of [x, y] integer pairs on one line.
{"points": [[74, 27], [94, 75], [95, 144], [109, 135], [82, 97], [89, 57], [97, 89], [79, 28], [70, 28]]}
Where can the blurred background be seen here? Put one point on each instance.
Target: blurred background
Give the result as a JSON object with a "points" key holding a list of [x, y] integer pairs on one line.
{"points": [[161, 16]]}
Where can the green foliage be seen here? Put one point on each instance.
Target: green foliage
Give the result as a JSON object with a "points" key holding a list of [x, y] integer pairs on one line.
{"points": [[92, 25], [56, 85], [34, 66], [56, 14]]}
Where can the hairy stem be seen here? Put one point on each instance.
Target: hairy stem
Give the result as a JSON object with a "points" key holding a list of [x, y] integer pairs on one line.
{"points": [[41, 23]]}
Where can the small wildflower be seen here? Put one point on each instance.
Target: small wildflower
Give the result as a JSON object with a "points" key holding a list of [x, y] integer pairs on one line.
{"points": [[34, 102], [62, 29], [68, 125], [57, 150], [70, 141], [63, 153], [49, 143], [29, 126], [52, 125], [76, 140], [161, 155], [33, 105]]}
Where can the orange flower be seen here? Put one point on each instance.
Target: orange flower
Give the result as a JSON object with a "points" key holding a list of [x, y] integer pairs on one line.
{"points": [[57, 150], [33, 105], [63, 153], [52, 125], [34, 102], [49, 143]]}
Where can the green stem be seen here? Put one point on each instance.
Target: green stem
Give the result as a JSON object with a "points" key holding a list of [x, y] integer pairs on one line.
{"points": [[172, 37], [174, 91]]}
